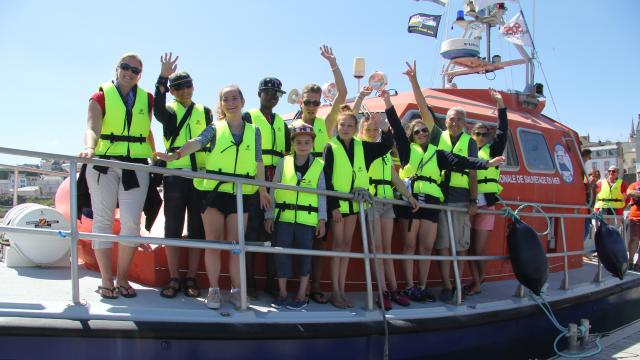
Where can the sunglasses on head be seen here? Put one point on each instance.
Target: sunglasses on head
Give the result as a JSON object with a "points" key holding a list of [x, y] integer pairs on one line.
{"points": [[134, 69], [308, 102], [180, 86], [481, 133], [418, 131]]}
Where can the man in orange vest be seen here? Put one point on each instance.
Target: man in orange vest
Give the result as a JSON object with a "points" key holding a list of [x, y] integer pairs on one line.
{"points": [[633, 194]]}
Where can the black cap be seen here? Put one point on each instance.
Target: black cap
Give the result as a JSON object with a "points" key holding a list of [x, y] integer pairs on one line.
{"points": [[181, 78], [271, 83]]}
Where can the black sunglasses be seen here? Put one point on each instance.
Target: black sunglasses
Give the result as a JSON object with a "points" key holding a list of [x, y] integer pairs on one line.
{"points": [[180, 86], [308, 102], [478, 133], [134, 69], [418, 131], [272, 92]]}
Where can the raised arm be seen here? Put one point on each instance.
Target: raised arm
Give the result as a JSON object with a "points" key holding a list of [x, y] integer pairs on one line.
{"points": [[500, 143], [167, 67], [366, 91], [330, 119], [417, 93], [402, 142]]}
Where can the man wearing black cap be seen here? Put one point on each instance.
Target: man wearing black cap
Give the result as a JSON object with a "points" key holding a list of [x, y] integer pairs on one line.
{"points": [[181, 120], [275, 144]]}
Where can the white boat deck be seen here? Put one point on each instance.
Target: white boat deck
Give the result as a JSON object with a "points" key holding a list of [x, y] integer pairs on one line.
{"points": [[46, 293]]}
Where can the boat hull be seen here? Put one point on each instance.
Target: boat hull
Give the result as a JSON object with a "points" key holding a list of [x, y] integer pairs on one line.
{"points": [[519, 333]]}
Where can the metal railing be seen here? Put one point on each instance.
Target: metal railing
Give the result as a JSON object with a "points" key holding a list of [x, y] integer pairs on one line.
{"points": [[74, 235]]}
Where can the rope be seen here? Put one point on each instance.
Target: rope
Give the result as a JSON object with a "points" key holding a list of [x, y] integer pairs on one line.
{"points": [[546, 308], [513, 215]]}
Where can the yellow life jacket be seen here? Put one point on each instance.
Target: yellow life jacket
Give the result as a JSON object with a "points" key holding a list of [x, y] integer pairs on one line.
{"points": [[380, 177], [610, 197], [273, 141], [117, 138], [297, 206], [191, 128], [458, 179], [231, 159], [342, 168], [488, 180], [423, 171]]}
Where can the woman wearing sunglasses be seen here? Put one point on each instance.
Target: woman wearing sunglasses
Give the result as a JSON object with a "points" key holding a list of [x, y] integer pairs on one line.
{"points": [[118, 128], [323, 129], [181, 120], [421, 165], [347, 161], [236, 151], [488, 190]]}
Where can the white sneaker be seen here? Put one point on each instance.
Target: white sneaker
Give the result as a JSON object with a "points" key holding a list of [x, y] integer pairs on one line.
{"points": [[214, 298], [235, 299]]}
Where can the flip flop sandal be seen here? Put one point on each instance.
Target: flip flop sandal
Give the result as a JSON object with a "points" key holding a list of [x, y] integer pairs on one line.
{"points": [[125, 291], [318, 297], [102, 289], [191, 288], [170, 291], [339, 303]]}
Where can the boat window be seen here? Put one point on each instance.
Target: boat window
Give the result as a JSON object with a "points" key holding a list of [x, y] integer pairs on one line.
{"points": [[511, 154], [535, 151]]}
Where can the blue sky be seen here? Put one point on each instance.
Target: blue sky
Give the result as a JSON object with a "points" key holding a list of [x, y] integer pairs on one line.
{"points": [[55, 54]]}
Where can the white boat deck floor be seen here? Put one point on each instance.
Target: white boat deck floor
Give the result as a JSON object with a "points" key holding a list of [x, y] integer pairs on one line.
{"points": [[46, 293]]}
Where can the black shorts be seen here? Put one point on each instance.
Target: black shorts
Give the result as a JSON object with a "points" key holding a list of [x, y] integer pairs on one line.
{"points": [[404, 212], [224, 202]]}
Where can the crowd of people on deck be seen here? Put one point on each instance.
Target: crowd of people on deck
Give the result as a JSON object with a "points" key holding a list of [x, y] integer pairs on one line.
{"points": [[610, 195], [340, 152]]}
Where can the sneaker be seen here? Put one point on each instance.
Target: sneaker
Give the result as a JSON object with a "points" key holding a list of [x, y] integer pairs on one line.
{"points": [[446, 295], [297, 303], [236, 299], [386, 301], [279, 302], [412, 293], [214, 298], [426, 295], [400, 299]]}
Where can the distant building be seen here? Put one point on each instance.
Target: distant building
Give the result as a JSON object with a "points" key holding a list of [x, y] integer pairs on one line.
{"points": [[603, 155]]}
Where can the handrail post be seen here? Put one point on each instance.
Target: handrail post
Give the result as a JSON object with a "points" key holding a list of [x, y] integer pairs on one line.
{"points": [[365, 251], [16, 172], [456, 271], [565, 280], [243, 259], [73, 222]]}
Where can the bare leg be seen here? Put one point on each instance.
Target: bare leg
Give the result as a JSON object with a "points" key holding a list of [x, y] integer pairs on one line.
{"points": [[427, 237], [389, 270], [103, 256], [349, 227], [377, 243], [478, 245], [125, 255], [409, 248], [234, 260], [173, 260], [282, 286], [317, 266], [213, 221], [445, 268], [194, 261], [302, 290]]}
